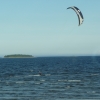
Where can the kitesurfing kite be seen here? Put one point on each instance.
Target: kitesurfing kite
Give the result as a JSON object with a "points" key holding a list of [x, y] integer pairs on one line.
{"points": [[79, 14]]}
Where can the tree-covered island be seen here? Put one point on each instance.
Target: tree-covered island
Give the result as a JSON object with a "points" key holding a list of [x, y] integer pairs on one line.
{"points": [[18, 56]]}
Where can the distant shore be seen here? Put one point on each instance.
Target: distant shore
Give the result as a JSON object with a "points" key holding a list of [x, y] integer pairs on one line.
{"points": [[18, 56]]}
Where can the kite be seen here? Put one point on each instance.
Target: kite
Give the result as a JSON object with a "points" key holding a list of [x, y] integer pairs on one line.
{"points": [[79, 14]]}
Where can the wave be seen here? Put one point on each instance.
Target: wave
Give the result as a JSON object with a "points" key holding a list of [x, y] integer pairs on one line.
{"points": [[69, 80], [47, 74], [74, 80]]}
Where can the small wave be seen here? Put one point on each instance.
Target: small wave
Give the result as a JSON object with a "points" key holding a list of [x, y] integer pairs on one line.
{"points": [[42, 80], [47, 74], [37, 75], [68, 87], [74, 80], [30, 75], [69, 80], [91, 92], [20, 82], [31, 70], [94, 74], [62, 80], [37, 83]]}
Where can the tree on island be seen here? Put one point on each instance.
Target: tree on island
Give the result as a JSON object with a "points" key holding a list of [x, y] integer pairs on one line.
{"points": [[17, 56]]}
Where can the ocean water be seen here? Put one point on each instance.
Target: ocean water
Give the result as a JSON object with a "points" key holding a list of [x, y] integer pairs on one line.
{"points": [[50, 78]]}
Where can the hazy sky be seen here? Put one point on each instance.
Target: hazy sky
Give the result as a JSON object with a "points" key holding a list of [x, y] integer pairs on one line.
{"points": [[47, 28]]}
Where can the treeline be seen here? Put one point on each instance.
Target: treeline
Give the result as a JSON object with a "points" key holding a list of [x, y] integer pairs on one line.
{"points": [[17, 56]]}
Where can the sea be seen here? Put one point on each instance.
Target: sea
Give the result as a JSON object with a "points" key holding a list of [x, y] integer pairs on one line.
{"points": [[50, 78]]}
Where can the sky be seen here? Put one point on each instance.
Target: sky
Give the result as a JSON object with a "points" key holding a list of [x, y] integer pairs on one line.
{"points": [[48, 28]]}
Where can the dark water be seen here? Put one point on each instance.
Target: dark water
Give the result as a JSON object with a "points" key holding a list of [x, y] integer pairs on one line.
{"points": [[50, 78]]}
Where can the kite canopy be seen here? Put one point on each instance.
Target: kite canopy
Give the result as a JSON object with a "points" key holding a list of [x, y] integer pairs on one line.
{"points": [[79, 14]]}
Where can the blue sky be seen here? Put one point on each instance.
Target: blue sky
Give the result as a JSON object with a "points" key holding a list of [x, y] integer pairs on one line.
{"points": [[46, 28]]}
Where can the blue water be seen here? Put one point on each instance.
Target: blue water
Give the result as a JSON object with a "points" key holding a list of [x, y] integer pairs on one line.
{"points": [[50, 78]]}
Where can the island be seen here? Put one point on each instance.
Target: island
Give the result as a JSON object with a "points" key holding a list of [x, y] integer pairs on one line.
{"points": [[18, 56]]}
